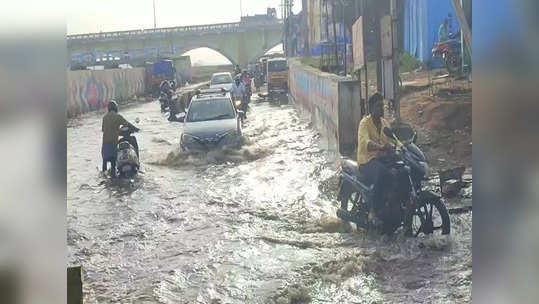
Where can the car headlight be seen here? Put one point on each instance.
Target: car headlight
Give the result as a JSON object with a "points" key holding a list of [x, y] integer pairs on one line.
{"points": [[188, 139]]}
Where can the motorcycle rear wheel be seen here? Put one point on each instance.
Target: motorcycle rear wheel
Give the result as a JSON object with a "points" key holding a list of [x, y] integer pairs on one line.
{"points": [[425, 221], [452, 64]]}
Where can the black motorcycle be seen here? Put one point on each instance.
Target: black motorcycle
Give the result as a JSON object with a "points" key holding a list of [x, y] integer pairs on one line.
{"points": [[406, 205]]}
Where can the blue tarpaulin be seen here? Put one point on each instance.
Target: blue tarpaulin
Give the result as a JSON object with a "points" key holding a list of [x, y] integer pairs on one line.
{"points": [[422, 19]]}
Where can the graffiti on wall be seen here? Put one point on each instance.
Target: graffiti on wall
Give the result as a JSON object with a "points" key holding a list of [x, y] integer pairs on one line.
{"points": [[312, 91], [93, 90]]}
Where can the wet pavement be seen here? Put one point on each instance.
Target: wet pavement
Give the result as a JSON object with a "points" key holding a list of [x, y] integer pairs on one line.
{"points": [[250, 226]]}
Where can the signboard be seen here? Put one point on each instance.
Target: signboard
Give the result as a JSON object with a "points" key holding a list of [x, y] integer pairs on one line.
{"points": [[357, 44]]}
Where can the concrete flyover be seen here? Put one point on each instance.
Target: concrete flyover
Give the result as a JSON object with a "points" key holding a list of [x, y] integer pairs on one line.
{"points": [[239, 42]]}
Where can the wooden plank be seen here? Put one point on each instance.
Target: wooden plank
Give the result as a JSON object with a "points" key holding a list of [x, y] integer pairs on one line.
{"points": [[463, 24]]}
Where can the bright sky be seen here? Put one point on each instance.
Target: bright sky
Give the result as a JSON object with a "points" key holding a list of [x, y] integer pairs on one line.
{"points": [[117, 15]]}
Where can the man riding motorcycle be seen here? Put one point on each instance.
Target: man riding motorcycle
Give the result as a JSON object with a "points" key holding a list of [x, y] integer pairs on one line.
{"points": [[238, 92], [111, 130], [373, 144]]}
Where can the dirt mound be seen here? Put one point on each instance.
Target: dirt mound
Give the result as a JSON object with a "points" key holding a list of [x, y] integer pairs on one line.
{"points": [[448, 116], [437, 114], [443, 123]]}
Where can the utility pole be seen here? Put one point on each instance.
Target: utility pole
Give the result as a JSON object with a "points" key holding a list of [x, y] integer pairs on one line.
{"points": [[241, 11], [154, 20]]}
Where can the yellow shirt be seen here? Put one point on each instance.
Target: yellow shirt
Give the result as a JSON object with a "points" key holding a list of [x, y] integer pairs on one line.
{"points": [[367, 132]]}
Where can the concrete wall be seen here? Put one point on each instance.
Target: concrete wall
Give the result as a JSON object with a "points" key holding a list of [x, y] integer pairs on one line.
{"points": [[333, 103], [91, 90]]}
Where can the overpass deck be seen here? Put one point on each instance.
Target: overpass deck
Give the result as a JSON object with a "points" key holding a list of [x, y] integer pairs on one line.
{"points": [[190, 29]]}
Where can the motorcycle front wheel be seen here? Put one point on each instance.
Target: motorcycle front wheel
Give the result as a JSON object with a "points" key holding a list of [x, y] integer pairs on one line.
{"points": [[352, 202], [430, 218]]}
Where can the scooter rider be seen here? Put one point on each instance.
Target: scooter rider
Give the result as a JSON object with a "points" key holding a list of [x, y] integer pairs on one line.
{"points": [[111, 130], [373, 143]]}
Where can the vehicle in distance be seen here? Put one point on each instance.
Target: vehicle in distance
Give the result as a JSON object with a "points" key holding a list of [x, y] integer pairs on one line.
{"points": [[221, 80], [211, 123], [277, 75]]}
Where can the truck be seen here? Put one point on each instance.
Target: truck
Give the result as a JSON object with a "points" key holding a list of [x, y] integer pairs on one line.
{"points": [[156, 72], [182, 65], [277, 76]]}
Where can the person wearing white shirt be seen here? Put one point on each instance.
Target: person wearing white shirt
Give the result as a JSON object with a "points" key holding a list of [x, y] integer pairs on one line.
{"points": [[238, 89]]}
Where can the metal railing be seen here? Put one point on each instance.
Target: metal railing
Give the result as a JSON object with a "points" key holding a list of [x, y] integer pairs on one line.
{"points": [[220, 27]]}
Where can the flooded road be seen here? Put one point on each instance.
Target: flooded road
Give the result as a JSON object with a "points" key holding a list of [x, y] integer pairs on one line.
{"points": [[251, 226]]}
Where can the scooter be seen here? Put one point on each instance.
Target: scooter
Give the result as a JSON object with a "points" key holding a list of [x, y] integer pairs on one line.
{"points": [[407, 204], [127, 162]]}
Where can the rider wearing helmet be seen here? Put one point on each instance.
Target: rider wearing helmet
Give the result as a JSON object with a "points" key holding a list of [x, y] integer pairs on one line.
{"points": [[111, 130]]}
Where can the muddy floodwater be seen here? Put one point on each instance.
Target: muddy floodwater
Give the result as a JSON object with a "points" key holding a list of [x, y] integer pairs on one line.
{"points": [[256, 225]]}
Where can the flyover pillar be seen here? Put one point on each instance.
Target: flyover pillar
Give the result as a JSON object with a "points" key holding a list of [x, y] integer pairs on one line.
{"points": [[243, 56]]}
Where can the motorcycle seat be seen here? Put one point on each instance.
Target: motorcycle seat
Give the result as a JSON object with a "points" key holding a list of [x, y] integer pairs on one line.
{"points": [[349, 166]]}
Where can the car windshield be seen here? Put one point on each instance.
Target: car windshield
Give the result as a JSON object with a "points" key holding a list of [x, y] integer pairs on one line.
{"points": [[210, 109], [277, 66], [220, 79]]}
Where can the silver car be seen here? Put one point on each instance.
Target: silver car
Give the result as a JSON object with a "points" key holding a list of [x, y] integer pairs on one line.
{"points": [[221, 80], [211, 122]]}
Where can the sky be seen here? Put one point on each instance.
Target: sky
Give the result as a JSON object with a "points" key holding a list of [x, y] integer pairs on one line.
{"points": [[117, 15]]}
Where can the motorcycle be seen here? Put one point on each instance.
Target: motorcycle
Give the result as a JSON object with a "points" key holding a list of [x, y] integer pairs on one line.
{"points": [[177, 106], [407, 204], [127, 162], [164, 101], [450, 52], [241, 107]]}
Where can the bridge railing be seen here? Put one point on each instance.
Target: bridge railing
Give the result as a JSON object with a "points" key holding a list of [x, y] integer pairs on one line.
{"points": [[167, 30]]}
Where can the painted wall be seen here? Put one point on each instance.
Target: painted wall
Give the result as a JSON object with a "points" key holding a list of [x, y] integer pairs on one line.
{"points": [[91, 90], [332, 101]]}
